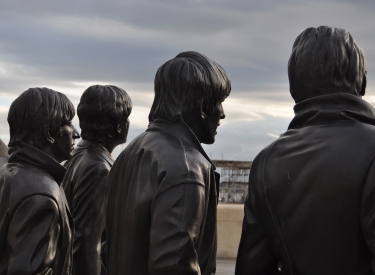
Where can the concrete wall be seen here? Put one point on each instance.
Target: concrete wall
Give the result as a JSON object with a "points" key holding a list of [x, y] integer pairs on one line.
{"points": [[229, 227]]}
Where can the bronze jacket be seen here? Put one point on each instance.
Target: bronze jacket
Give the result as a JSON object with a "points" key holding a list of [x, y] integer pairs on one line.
{"points": [[35, 224], [161, 215], [84, 185], [311, 202]]}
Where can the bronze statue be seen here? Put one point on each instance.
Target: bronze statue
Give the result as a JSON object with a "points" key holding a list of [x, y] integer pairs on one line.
{"points": [[103, 117], [35, 223], [311, 202], [161, 215]]}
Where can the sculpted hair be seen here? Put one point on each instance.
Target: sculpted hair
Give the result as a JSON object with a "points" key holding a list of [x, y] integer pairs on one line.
{"points": [[183, 81], [101, 109], [326, 60], [37, 112]]}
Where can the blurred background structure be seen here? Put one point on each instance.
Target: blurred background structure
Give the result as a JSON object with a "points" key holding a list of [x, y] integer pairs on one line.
{"points": [[4, 156], [234, 178]]}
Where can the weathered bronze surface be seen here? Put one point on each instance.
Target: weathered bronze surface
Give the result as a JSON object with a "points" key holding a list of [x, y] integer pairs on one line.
{"points": [[161, 215], [310, 208], [103, 114], [35, 223]]}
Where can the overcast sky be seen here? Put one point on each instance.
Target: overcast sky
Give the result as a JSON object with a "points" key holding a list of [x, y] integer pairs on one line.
{"points": [[70, 45]]}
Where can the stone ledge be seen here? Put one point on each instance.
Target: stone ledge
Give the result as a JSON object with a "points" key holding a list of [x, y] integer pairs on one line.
{"points": [[229, 228], [230, 212]]}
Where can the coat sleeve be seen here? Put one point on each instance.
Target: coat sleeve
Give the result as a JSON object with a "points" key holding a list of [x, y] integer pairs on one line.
{"points": [[176, 219], [255, 254], [89, 220], [33, 235], [368, 213]]}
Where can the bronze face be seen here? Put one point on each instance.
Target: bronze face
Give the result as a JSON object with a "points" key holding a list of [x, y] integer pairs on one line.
{"points": [[64, 144], [205, 126], [212, 122]]}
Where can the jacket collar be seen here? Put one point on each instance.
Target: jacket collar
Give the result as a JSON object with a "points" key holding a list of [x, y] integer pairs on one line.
{"points": [[331, 108], [27, 154], [180, 130], [98, 148]]}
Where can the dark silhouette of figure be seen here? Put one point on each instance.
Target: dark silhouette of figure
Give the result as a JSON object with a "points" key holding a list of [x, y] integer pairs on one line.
{"points": [[103, 117], [311, 202], [161, 215], [35, 223]]}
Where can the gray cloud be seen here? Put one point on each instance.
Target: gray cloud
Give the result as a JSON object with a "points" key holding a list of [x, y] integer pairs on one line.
{"points": [[243, 140], [70, 45]]}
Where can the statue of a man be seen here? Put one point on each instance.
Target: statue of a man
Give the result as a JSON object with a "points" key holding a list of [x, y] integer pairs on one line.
{"points": [[161, 215], [35, 223], [103, 114], [311, 202]]}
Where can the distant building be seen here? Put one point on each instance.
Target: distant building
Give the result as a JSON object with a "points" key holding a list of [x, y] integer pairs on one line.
{"points": [[4, 156], [234, 180]]}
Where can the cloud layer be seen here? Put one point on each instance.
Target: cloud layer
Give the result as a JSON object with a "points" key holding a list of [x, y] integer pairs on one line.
{"points": [[69, 45]]}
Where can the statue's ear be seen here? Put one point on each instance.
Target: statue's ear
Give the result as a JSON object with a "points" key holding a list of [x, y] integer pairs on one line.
{"points": [[200, 106], [119, 128], [364, 83], [50, 139]]}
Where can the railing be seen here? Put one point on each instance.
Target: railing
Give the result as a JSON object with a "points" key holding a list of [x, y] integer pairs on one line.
{"points": [[232, 194], [234, 180]]}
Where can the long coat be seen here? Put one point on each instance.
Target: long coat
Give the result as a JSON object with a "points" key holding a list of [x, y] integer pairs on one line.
{"points": [[35, 223], [161, 215], [311, 202], [84, 185]]}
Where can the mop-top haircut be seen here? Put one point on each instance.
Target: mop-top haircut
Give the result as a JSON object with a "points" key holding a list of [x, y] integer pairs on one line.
{"points": [[326, 60], [101, 109], [183, 82], [37, 114]]}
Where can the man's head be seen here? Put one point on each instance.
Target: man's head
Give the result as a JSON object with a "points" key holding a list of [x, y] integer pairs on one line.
{"points": [[42, 117], [103, 114], [326, 60], [192, 87]]}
